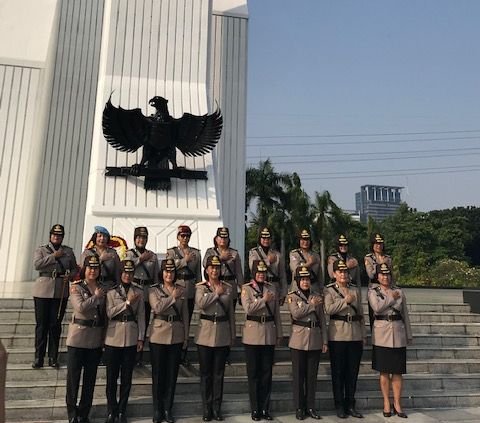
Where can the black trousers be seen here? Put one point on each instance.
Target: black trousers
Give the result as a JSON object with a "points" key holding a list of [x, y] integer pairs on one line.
{"points": [[148, 309], [78, 359], [119, 361], [305, 369], [165, 361], [49, 313], [190, 306], [259, 372], [212, 370], [345, 359]]}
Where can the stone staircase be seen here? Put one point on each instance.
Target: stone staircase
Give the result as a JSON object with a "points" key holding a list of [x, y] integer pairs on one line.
{"points": [[443, 365]]}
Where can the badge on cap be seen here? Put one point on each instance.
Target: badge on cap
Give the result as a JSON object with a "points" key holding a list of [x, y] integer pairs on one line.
{"points": [[223, 232], [265, 233], [304, 234], [342, 240]]}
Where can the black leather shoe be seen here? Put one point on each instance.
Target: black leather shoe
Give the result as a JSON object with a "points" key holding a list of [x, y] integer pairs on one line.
{"points": [[354, 413], [217, 415], [110, 418], [168, 416], [313, 414], [300, 414], [400, 414], [266, 415], [122, 418], [158, 416], [256, 416], [37, 364], [52, 362], [341, 413], [387, 414], [207, 417], [73, 420]]}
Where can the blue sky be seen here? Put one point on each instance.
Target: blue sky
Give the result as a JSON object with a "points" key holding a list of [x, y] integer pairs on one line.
{"points": [[328, 81]]}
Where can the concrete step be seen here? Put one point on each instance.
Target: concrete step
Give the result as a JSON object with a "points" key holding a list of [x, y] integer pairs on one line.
{"points": [[235, 404], [24, 372], [142, 386], [237, 354]]}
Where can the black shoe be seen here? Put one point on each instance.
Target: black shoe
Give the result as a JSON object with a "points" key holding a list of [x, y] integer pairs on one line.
{"points": [[300, 414], [73, 420], [266, 415], [52, 362], [168, 417], [354, 413], [110, 418], [313, 414], [217, 415], [158, 416], [122, 418], [341, 413], [37, 364], [207, 416], [256, 416], [400, 414]]}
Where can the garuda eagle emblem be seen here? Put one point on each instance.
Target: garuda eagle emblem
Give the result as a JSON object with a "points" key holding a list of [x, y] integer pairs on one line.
{"points": [[160, 135]]}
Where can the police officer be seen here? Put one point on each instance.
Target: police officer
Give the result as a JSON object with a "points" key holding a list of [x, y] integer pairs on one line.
{"points": [[169, 334], [261, 331], [57, 266], [146, 271], [214, 337], [305, 256], [372, 259], [231, 270], [274, 261], [188, 264], [125, 336], [85, 339], [346, 337], [390, 335], [350, 261], [307, 341], [109, 260]]}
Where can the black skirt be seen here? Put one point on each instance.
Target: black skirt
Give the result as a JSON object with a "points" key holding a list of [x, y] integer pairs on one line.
{"points": [[389, 360]]}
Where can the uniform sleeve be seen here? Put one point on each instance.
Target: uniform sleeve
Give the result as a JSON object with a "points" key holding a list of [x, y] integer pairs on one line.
{"points": [[252, 256], [360, 313], [238, 270], [117, 266], [331, 259], [42, 258], [369, 267], [294, 261], [334, 304], [115, 303], [185, 319], [323, 324], [378, 304], [204, 299], [180, 262], [72, 265], [231, 319], [251, 304], [157, 303], [156, 270], [81, 304], [141, 316], [130, 255], [406, 318], [208, 253], [299, 311], [83, 256]]}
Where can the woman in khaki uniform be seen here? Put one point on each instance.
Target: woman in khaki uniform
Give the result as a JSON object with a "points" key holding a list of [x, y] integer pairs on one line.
{"points": [[169, 334], [125, 335], [346, 337], [215, 336], [307, 341], [84, 339], [350, 261], [262, 330], [390, 336]]}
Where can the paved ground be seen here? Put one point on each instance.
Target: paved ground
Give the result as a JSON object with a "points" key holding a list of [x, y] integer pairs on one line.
{"points": [[470, 415]]}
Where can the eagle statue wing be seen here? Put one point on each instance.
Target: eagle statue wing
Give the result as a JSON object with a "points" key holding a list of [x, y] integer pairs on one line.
{"points": [[198, 135], [124, 130]]}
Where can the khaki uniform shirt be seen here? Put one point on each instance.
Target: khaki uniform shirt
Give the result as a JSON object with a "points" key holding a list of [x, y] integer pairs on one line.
{"points": [[305, 338], [164, 304], [209, 333], [109, 269], [391, 334], [123, 333], [339, 330], [299, 257], [371, 261], [51, 285], [86, 306], [188, 274], [352, 264], [231, 271], [275, 270], [146, 273], [258, 333]]}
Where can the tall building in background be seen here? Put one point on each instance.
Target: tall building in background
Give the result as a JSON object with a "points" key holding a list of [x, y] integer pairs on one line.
{"points": [[377, 201]]}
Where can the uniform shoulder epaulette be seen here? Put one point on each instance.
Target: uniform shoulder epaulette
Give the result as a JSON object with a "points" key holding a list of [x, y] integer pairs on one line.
{"points": [[77, 282], [291, 292], [268, 283], [233, 249], [155, 285], [248, 284], [136, 285], [352, 284], [331, 285], [294, 250], [201, 283], [369, 255], [226, 283], [386, 255], [194, 249]]}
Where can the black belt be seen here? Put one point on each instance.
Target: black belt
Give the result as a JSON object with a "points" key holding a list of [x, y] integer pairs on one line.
{"points": [[261, 319], [124, 318], [389, 317], [214, 318], [89, 323], [143, 281], [52, 274], [273, 279], [168, 317], [229, 278], [311, 324], [348, 318]]}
